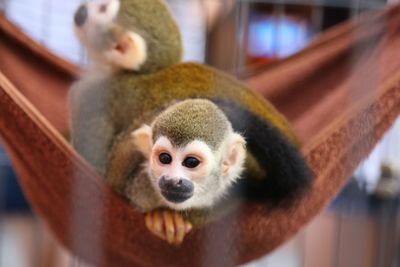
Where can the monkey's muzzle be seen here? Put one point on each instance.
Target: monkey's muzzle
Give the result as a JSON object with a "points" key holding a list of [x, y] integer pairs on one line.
{"points": [[176, 190]]}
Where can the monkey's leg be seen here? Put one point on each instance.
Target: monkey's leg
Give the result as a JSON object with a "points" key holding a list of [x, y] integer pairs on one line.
{"points": [[168, 225]]}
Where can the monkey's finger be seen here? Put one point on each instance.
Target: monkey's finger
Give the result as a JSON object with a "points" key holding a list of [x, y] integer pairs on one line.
{"points": [[188, 227], [158, 224], [148, 221], [150, 225], [180, 228], [169, 226]]}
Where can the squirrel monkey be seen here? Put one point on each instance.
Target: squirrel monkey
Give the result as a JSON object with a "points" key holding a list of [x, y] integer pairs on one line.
{"points": [[186, 160], [121, 40], [106, 109]]}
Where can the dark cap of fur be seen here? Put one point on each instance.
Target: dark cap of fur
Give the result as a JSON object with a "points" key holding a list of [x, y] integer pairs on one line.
{"points": [[194, 119]]}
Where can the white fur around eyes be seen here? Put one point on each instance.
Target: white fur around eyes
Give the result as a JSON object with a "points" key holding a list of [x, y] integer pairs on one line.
{"points": [[197, 147], [211, 161], [162, 143]]}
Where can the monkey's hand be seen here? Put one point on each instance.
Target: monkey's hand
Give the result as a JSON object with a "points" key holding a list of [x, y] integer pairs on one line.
{"points": [[168, 225]]}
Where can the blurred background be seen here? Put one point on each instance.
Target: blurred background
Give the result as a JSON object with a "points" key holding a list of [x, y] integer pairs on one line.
{"points": [[361, 227]]}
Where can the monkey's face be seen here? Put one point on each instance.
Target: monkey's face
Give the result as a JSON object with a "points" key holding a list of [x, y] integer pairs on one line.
{"points": [[101, 12], [191, 167], [108, 43], [93, 19], [181, 174]]}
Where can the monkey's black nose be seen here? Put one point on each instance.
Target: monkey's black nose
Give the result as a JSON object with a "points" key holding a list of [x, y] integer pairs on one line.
{"points": [[81, 15], [176, 190]]}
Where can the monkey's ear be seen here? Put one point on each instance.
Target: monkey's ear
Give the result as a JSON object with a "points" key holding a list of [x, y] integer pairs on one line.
{"points": [[142, 138], [235, 154], [129, 51]]}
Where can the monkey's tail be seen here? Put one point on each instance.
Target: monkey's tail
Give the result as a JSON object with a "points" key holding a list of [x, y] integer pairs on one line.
{"points": [[287, 174]]}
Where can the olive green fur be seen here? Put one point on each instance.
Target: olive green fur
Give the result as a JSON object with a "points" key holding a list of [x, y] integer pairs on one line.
{"points": [[153, 20], [192, 120], [155, 92]]}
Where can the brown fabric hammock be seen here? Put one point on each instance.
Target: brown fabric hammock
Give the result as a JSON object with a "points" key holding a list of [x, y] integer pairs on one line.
{"points": [[342, 93]]}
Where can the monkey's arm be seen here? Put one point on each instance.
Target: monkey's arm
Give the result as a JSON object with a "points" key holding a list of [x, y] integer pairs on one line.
{"points": [[127, 173], [91, 128]]}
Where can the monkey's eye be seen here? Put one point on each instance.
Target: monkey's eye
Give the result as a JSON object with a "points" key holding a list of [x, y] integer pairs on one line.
{"points": [[103, 8], [165, 158], [191, 162]]}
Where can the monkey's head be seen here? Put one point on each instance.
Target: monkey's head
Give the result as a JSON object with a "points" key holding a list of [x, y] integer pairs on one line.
{"points": [[193, 154], [129, 34]]}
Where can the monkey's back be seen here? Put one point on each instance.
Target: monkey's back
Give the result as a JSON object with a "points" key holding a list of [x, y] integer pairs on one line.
{"points": [[136, 99]]}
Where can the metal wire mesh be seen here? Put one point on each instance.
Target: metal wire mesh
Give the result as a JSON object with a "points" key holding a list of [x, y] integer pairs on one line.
{"points": [[49, 22]]}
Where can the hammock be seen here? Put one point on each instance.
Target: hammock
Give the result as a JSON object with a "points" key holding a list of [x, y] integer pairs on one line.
{"points": [[341, 94]]}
